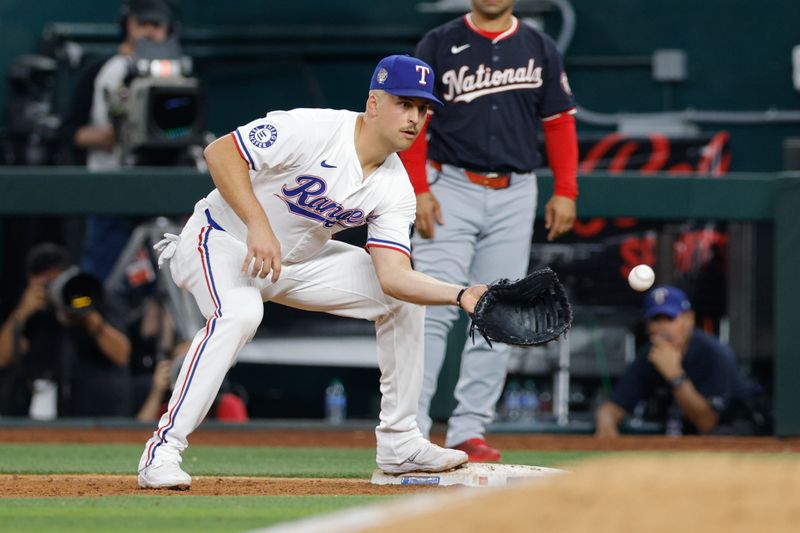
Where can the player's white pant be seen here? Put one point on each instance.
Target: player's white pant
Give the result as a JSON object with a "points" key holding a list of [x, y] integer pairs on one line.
{"points": [[486, 236], [340, 279]]}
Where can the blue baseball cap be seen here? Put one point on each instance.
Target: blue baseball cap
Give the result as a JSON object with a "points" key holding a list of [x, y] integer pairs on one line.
{"points": [[666, 300], [403, 75]]}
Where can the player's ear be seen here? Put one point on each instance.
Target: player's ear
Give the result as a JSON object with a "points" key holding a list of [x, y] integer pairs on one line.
{"points": [[372, 103]]}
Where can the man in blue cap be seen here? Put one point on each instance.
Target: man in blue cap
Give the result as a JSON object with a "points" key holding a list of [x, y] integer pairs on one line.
{"points": [[691, 376], [285, 184]]}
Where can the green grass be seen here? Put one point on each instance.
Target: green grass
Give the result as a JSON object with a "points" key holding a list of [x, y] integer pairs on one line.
{"points": [[153, 513], [225, 461]]}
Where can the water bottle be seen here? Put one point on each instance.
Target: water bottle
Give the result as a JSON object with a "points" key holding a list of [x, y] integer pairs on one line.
{"points": [[674, 421], [529, 401], [512, 402], [44, 401], [335, 403]]}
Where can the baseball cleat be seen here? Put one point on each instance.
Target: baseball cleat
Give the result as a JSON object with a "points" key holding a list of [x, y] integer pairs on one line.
{"points": [[164, 475], [478, 451], [428, 458]]}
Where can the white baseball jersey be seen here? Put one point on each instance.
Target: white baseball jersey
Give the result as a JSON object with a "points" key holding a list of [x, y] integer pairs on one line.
{"points": [[306, 174]]}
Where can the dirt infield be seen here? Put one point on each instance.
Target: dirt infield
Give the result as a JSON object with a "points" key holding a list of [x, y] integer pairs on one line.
{"points": [[75, 485]]}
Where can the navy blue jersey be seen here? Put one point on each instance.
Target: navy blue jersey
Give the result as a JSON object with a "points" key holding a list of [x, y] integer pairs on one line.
{"points": [[494, 92], [710, 366]]}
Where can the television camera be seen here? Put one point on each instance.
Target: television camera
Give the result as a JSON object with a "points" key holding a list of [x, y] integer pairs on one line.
{"points": [[159, 112]]}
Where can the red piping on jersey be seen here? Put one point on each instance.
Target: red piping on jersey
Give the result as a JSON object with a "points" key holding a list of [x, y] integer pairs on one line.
{"points": [[561, 145], [372, 245], [494, 36], [239, 149]]}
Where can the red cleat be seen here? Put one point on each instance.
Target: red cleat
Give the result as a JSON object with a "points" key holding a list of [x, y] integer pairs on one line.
{"points": [[478, 451]]}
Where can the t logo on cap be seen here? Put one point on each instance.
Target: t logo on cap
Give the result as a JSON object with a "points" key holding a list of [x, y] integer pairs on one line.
{"points": [[425, 71], [666, 300], [403, 75]]}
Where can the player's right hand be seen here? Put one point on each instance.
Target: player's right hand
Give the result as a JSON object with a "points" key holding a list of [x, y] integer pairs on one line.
{"points": [[429, 213], [263, 253]]}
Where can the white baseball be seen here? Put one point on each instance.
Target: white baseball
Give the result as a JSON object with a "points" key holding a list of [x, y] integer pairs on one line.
{"points": [[641, 278]]}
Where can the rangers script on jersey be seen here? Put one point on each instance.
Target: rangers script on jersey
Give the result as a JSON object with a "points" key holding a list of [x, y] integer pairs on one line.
{"points": [[303, 162]]}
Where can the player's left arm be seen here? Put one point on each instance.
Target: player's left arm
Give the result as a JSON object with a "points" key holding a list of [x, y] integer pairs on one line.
{"points": [[561, 144], [557, 110], [400, 281]]}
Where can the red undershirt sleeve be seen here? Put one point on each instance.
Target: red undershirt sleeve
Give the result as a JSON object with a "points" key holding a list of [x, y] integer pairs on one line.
{"points": [[561, 143]]}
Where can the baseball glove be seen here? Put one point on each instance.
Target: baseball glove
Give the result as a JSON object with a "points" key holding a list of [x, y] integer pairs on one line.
{"points": [[530, 311]]}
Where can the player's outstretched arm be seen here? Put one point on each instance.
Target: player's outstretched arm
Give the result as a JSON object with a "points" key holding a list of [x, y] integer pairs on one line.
{"points": [[232, 179], [400, 281]]}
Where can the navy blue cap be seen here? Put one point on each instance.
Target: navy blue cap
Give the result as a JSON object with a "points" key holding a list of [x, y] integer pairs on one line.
{"points": [[403, 75], [666, 300]]}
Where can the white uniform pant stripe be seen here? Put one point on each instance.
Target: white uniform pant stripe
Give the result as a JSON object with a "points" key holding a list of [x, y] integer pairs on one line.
{"points": [[173, 409]]}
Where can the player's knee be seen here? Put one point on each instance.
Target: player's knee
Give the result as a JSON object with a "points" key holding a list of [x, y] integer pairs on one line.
{"points": [[246, 312]]}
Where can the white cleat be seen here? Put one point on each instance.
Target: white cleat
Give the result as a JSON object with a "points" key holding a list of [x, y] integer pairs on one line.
{"points": [[428, 458], [164, 475]]}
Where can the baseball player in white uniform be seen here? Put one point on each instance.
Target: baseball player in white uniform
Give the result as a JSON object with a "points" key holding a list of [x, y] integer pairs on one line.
{"points": [[285, 184]]}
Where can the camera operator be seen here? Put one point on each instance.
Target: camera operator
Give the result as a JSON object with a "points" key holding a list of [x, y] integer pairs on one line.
{"points": [[89, 123], [58, 336]]}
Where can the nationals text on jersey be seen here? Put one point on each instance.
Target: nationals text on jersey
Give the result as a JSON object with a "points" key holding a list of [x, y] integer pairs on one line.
{"points": [[310, 203], [465, 87]]}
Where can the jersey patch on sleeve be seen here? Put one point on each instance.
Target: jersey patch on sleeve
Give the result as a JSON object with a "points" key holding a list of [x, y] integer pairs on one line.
{"points": [[263, 135]]}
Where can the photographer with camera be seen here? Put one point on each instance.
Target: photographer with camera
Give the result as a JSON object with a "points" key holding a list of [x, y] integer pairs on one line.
{"points": [[61, 350], [89, 125]]}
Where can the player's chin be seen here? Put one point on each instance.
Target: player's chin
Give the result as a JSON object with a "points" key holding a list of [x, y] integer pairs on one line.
{"points": [[406, 139]]}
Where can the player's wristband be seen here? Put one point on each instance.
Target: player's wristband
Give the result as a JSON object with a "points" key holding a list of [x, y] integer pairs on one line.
{"points": [[677, 381], [460, 294]]}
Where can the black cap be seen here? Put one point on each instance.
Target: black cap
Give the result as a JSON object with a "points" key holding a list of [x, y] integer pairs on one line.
{"points": [[153, 11]]}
